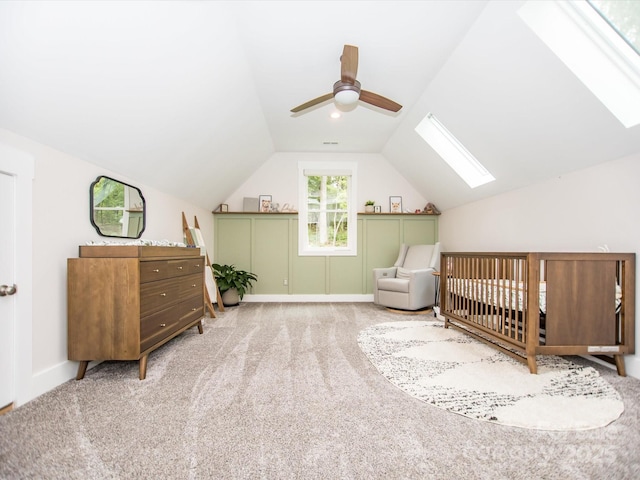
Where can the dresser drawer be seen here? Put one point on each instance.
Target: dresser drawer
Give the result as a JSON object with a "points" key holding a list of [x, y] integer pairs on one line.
{"points": [[154, 328], [156, 296], [162, 269]]}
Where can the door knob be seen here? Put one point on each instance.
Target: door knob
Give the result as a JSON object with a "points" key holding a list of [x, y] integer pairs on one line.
{"points": [[7, 290]]}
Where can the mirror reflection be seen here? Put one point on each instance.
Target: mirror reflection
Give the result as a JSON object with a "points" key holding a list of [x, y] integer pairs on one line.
{"points": [[117, 209]]}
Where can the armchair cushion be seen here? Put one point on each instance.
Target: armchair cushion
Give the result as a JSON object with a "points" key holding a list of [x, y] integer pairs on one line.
{"points": [[403, 273]]}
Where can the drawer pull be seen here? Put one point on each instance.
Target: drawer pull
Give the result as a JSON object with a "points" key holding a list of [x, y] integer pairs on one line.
{"points": [[194, 285], [163, 294], [179, 268], [194, 309], [197, 266], [156, 270], [163, 324]]}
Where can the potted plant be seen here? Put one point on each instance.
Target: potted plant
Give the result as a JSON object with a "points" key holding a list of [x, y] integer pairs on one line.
{"points": [[368, 206], [232, 283]]}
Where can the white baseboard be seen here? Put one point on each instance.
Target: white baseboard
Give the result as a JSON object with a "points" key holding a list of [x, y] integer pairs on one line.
{"points": [[632, 365], [308, 298], [48, 379]]}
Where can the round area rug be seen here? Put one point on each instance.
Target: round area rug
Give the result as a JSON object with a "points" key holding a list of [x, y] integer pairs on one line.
{"points": [[451, 370]]}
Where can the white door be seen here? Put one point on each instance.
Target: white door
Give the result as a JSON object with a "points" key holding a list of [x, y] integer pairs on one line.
{"points": [[17, 169], [7, 294]]}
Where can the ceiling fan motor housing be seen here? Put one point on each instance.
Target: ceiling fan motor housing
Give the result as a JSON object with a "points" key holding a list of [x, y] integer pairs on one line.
{"points": [[346, 93]]}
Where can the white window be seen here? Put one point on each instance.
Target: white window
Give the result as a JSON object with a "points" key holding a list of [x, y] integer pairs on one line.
{"points": [[453, 152], [327, 220], [601, 56]]}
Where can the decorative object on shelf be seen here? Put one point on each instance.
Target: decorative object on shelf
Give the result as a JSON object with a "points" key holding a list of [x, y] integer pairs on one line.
{"points": [[223, 207], [430, 209], [265, 203], [250, 204], [286, 208], [275, 208], [377, 209], [395, 204], [368, 206], [233, 283]]}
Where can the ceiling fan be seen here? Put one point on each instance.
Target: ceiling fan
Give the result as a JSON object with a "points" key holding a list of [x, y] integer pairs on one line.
{"points": [[347, 91]]}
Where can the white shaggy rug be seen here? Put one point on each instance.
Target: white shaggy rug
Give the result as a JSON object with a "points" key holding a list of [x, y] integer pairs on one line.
{"points": [[453, 371]]}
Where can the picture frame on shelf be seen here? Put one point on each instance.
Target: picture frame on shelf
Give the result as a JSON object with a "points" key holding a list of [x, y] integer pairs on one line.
{"points": [[224, 207], [377, 209], [264, 203], [395, 204], [250, 204]]}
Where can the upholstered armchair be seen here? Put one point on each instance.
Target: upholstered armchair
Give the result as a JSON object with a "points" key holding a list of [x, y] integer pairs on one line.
{"points": [[410, 283]]}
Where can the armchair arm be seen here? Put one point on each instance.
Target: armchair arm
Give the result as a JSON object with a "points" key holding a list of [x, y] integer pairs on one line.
{"points": [[389, 272], [422, 284], [384, 272]]}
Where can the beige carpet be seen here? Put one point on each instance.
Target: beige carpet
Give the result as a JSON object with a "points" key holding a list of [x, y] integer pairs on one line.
{"points": [[283, 391]]}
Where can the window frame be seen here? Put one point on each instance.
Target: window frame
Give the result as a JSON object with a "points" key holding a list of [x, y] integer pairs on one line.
{"points": [[305, 168]]}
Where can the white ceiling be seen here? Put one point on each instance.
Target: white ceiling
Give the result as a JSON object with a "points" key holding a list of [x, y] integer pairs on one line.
{"points": [[191, 97]]}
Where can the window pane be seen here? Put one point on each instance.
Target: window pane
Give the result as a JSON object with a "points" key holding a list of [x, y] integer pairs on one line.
{"points": [[327, 206], [329, 229], [624, 18]]}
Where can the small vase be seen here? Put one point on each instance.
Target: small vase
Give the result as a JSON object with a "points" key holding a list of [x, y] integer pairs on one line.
{"points": [[368, 208]]}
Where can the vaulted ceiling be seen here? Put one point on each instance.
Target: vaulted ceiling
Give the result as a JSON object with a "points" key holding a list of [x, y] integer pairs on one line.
{"points": [[189, 95]]}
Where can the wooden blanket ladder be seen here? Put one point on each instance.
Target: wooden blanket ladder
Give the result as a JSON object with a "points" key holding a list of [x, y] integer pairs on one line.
{"points": [[193, 242]]}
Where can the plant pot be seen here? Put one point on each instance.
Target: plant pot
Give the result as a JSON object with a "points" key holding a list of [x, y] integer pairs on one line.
{"points": [[230, 297], [368, 208]]}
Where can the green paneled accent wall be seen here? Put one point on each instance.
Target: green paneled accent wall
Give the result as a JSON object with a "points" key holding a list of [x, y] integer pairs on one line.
{"points": [[308, 275], [267, 245], [271, 255], [345, 273], [382, 242], [234, 245]]}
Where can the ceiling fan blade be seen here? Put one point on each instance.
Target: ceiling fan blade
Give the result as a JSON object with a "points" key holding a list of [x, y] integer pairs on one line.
{"points": [[313, 102], [349, 61], [379, 101]]}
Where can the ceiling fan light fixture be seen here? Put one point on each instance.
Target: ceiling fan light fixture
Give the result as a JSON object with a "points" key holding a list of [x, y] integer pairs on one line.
{"points": [[347, 97], [346, 93]]}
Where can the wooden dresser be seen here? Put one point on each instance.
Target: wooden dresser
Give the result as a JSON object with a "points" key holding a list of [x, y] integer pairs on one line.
{"points": [[126, 301]]}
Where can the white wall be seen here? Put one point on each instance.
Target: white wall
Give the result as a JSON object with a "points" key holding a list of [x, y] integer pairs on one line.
{"points": [[377, 180], [576, 212], [60, 224]]}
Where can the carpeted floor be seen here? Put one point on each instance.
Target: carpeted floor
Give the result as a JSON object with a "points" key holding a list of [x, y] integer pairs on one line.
{"points": [[283, 391]]}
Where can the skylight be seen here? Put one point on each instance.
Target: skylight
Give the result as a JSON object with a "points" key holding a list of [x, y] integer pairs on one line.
{"points": [[453, 152], [598, 51], [624, 18]]}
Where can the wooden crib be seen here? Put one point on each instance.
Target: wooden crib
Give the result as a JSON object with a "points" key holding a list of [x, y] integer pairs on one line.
{"points": [[528, 304]]}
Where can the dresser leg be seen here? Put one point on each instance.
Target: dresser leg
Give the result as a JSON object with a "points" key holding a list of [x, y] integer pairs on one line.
{"points": [[82, 369], [200, 331], [620, 365], [143, 367]]}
